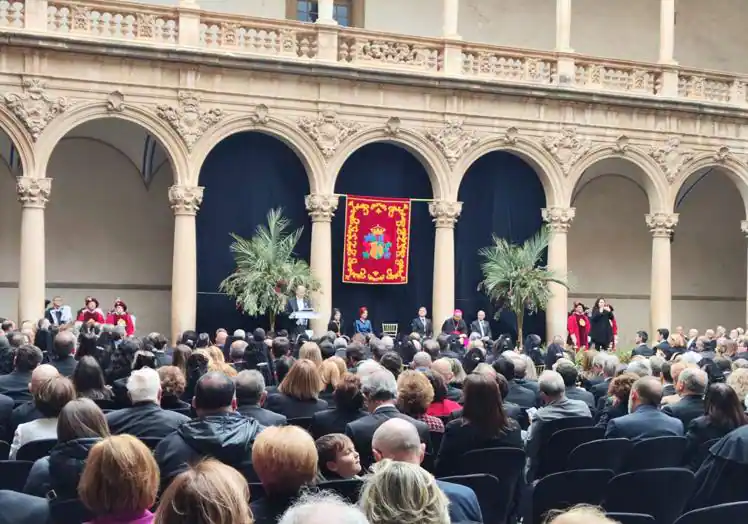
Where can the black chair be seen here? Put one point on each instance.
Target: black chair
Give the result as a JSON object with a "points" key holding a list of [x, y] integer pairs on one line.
{"points": [[436, 441], [600, 454], [68, 512], [698, 459], [506, 464], [632, 518], [566, 489], [655, 453], [13, 474], [562, 443], [36, 449], [429, 462], [302, 422], [485, 488], [662, 493], [723, 513], [151, 442], [348, 488], [4, 450], [547, 430], [256, 491], [106, 403]]}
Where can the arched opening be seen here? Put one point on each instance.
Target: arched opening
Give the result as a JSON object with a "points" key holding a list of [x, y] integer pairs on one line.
{"points": [[10, 218], [386, 170], [609, 245], [708, 252], [109, 229], [502, 195], [244, 176]]}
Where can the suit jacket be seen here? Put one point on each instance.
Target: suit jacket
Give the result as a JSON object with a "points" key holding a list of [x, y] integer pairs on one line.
{"points": [[461, 437], [643, 350], [463, 503], [264, 416], [686, 409], [64, 315], [575, 393], [145, 419], [361, 431], [6, 412], [645, 422], [522, 396], [600, 390], [416, 326], [667, 390], [292, 407], [16, 385], [22, 413], [65, 365], [475, 327], [292, 307], [333, 421]]}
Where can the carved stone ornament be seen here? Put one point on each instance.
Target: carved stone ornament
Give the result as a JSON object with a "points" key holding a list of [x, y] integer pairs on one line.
{"points": [[116, 102], [559, 219], [722, 155], [567, 147], [188, 119], [328, 131], [662, 224], [510, 136], [621, 145], [671, 157], [744, 227], [34, 107], [452, 140], [392, 127], [445, 212], [185, 200], [321, 207], [260, 115], [33, 192]]}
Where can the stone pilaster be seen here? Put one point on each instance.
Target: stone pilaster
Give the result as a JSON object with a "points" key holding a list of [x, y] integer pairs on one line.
{"points": [[662, 226], [321, 209], [559, 220], [445, 215], [33, 194]]}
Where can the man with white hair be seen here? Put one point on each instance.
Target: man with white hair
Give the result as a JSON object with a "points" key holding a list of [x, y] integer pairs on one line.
{"points": [[389, 344], [380, 392], [421, 361], [640, 367], [322, 508], [557, 406], [240, 334], [608, 364], [398, 440], [145, 418]]}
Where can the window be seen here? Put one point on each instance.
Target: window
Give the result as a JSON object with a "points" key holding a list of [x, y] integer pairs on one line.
{"points": [[346, 13]]}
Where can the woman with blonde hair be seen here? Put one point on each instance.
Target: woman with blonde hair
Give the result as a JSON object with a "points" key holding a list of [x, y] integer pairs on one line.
{"points": [[340, 362], [580, 515], [311, 351], [120, 481], [217, 362], [298, 394], [403, 493], [209, 493], [330, 375]]}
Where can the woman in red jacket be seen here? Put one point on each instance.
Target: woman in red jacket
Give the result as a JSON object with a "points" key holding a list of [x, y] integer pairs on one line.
{"points": [[120, 317], [578, 325], [91, 313]]}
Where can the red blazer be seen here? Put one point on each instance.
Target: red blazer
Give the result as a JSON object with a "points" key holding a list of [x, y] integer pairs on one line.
{"points": [[581, 333], [86, 315], [614, 325], [119, 320]]}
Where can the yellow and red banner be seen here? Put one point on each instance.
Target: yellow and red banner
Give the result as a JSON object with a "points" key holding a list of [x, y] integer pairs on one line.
{"points": [[377, 240]]}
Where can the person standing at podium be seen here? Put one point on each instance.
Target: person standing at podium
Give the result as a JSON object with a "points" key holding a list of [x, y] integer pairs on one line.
{"points": [[299, 303], [422, 325]]}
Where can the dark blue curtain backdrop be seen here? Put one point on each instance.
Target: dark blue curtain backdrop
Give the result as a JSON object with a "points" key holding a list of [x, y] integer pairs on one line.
{"points": [[501, 194], [245, 176], [386, 170]]}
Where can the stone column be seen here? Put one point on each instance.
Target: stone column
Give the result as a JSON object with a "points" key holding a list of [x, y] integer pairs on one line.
{"points": [[450, 18], [325, 11], [744, 229], [667, 31], [33, 193], [185, 202], [321, 208], [445, 215], [559, 221], [563, 26], [662, 226]]}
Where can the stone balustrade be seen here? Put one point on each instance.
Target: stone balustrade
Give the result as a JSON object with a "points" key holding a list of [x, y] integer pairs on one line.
{"points": [[187, 26]]}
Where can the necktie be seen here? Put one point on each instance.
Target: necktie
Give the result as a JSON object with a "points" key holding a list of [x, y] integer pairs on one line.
{"points": [[480, 322], [58, 316]]}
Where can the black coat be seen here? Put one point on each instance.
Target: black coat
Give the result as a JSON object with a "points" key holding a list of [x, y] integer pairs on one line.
{"points": [[16, 385], [264, 416], [700, 431], [145, 420], [686, 409], [292, 407], [522, 396], [645, 422], [723, 477], [333, 421], [65, 365], [601, 331], [575, 393], [461, 437], [416, 326], [512, 410], [6, 413], [643, 350], [600, 389], [61, 470]]}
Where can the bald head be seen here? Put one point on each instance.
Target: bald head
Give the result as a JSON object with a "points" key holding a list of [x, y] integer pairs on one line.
{"points": [[443, 366], [236, 353], [41, 374], [397, 439]]}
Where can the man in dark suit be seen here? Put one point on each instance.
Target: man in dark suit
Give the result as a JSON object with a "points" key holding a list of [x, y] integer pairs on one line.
{"points": [[569, 373], [641, 345], [481, 326], [690, 387], [398, 440], [523, 397], [662, 343], [6, 411], [299, 302], [422, 325], [62, 353], [380, 392], [609, 365], [16, 383], [645, 420], [251, 395]]}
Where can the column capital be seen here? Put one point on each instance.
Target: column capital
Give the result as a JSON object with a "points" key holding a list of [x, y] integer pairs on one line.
{"points": [[558, 218], [445, 212], [321, 207], [661, 225], [185, 200], [33, 192], [744, 227]]}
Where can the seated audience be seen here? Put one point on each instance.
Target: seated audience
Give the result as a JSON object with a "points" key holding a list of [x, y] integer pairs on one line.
{"points": [[443, 366], [723, 477], [285, 460], [217, 432], [156, 343], [49, 398], [146, 418], [120, 481], [298, 394], [738, 381], [520, 395], [580, 515], [61, 355], [644, 420], [690, 387], [173, 384], [338, 458], [441, 405], [27, 411], [414, 396], [569, 373], [348, 402], [208, 493], [617, 402], [322, 508], [330, 374], [88, 379], [16, 383], [80, 426], [251, 395], [640, 367], [180, 356], [392, 362], [608, 364]]}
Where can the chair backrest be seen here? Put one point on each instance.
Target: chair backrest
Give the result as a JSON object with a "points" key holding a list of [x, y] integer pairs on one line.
{"points": [[35, 449], [632, 518], [600, 454], [68, 512], [389, 328], [546, 432], [256, 491], [562, 443], [436, 440], [569, 488], [302, 422], [13, 474], [733, 512], [4, 450], [662, 493], [485, 488], [703, 452], [654, 453], [347, 488]]}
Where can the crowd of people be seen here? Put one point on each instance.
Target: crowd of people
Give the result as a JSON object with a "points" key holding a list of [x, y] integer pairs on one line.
{"points": [[264, 427]]}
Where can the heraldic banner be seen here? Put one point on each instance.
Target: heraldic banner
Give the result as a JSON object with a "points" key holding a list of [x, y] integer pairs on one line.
{"points": [[377, 240]]}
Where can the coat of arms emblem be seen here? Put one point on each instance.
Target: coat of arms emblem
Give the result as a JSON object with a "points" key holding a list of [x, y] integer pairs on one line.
{"points": [[378, 247]]}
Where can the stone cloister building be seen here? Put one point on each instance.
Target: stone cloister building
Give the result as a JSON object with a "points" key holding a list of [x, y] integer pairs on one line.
{"points": [[110, 110]]}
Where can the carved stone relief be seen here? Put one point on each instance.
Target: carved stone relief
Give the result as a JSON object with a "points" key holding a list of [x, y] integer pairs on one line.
{"points": [[662, 224], [115, 102], [392, 127], [185, 200], [452, 140], [328, 131], [33, 192], [260, 114], [34, 107], [445, 212], [559, 219], [567, 147], [188, 119], [671, 157], [321, 207]]}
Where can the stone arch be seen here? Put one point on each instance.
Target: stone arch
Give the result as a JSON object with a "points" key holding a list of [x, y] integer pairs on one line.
{"points": [[653, 180], [427, 153], [21, 139], [736, 170], [77, 115], [301, 144], [546, 168]]}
